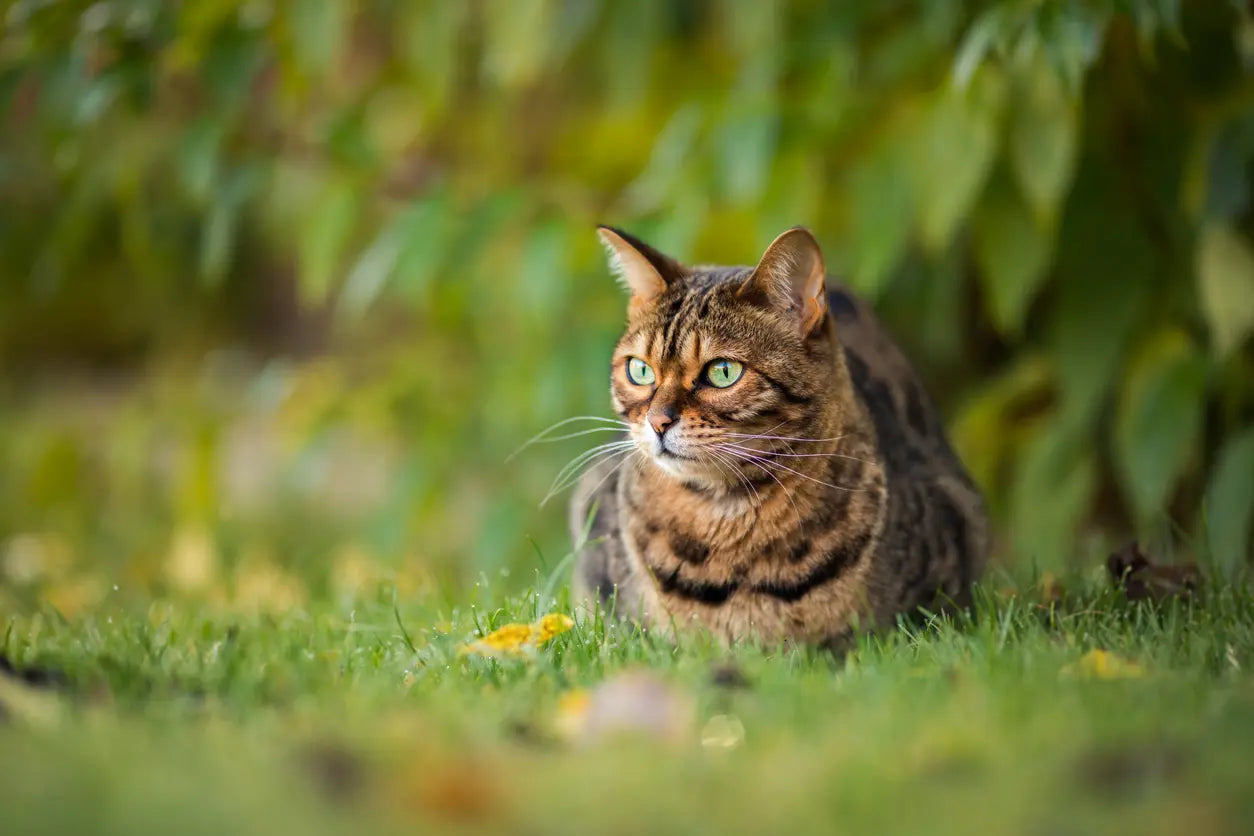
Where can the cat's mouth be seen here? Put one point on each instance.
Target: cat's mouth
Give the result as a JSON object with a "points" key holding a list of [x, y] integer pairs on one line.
{"points": [[666, 447], [674, 455]]}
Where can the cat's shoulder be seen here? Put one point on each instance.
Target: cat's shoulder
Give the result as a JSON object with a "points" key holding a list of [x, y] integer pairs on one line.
{"points": [[862, 333], [885, 379]]}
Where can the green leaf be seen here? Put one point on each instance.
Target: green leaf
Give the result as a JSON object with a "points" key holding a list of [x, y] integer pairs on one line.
{"points": [[881, 223], [795, 193], [1012, 252], [1044, 138], [517, 47], [1072, 37], [670, 155], [746, 146], [198, 157], [879, 203], [990, 423], [318, 28], [1225, 279], [1053, 490], [1091, 322], [371, 271], [428, 36], [977, 43], [324, 236], [1105, 279], [217, 240], [230, 67], [1230, 502], [1159, 417], [543, 286], [435, 225], [953, 156]]}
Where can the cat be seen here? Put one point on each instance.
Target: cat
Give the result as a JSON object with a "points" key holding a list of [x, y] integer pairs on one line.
{"points": [[788, 478]]}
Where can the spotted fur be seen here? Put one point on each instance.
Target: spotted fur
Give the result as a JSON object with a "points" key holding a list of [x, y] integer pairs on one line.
{"points": [[790, 540]]}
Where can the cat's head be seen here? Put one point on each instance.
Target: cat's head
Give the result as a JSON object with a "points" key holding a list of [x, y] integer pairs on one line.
{"points": [[719, 362]]}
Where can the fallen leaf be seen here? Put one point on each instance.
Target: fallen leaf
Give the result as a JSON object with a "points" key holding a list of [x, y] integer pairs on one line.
{"points": [[519, 639], [1102, 664], [1142, 579], [723, 731], [553, 624]]}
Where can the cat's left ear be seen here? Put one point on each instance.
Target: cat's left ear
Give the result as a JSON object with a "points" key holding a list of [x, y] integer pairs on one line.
{"points": [[790, 278], [643, 271]]}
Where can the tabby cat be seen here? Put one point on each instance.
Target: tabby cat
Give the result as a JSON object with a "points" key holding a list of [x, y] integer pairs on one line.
{"points": [[788, 477]]}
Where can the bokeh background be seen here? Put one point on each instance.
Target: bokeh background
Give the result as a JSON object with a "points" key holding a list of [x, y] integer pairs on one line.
{"points": [[282, 284]]}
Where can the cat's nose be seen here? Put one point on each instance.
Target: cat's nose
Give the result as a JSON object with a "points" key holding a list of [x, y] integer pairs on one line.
{"points": [[661, 420]]}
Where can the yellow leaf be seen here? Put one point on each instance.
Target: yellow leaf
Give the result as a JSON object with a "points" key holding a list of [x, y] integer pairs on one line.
{"points": [[1102, 664], [510, 639], [520, 639], [553, 624], [723, 731]]}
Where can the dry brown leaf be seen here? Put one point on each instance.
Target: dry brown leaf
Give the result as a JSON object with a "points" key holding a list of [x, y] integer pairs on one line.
{"points": [[1141, 578]]}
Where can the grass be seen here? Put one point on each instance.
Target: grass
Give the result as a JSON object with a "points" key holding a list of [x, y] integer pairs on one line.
{"points": [[362, 716]]}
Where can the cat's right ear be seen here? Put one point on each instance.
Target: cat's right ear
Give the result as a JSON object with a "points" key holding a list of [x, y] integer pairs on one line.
{"points": [[642, 270]]}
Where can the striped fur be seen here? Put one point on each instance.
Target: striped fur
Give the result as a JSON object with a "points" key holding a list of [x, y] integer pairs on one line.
{"points": [[792, 540]]}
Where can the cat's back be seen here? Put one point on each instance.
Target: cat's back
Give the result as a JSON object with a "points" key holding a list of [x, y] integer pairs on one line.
{"points": [[936, 534]]}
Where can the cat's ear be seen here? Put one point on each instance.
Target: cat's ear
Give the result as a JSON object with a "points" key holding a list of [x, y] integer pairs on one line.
{"points": [[790, 278], [642, 270]]}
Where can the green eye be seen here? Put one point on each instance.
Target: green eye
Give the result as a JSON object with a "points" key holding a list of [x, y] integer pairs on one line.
{"points": [[638, 372], [723, 373]]}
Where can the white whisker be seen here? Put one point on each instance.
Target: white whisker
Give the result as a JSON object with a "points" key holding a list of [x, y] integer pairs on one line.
{"points": [[608, 456], [720, 460], [782, 486], [766, 437], [748, 449], [765, 461], [586, 457], [542, 436]]}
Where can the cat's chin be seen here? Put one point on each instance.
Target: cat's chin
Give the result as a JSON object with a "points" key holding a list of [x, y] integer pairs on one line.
{"points": [[687, 469]]}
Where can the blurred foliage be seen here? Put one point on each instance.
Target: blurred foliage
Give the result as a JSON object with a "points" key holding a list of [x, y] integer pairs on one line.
{"points": [[286, 281]]}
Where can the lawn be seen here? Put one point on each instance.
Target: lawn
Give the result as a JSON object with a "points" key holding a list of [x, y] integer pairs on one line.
{"points": [[284, 285], [365, 713]]}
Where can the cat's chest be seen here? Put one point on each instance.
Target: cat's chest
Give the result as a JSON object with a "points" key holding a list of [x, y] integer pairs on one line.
{"points": [[787, 574], [767, 582]]}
